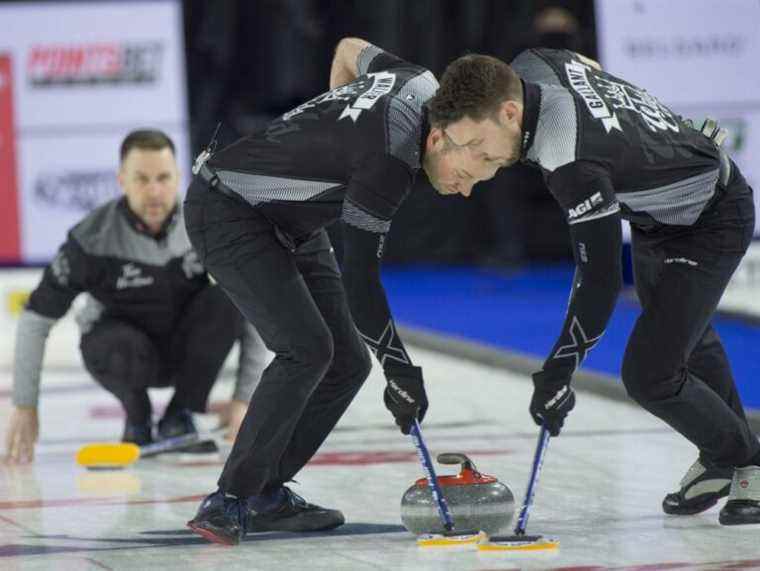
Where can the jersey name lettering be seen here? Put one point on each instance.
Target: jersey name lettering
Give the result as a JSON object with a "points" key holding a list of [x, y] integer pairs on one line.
{"points": [[656, 116], [576, 75]]}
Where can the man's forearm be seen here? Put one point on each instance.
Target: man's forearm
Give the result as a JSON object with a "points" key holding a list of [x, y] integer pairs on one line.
{"points": [[31, 336]]}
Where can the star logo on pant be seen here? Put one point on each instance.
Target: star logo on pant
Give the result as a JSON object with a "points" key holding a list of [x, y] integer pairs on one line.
{"points": [[386, 346], [580, 346]]}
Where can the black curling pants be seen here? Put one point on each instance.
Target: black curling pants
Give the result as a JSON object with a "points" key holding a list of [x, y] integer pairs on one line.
{"points": [[296, 301], [125, 360], [675, 365]]}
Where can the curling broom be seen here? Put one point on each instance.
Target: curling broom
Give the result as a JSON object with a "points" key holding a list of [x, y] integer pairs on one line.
{"points": [[519, 541], [450, 537], [114, 455]]}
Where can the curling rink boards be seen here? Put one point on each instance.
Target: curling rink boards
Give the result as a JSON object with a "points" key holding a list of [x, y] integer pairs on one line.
{"points": [[599, 493]]}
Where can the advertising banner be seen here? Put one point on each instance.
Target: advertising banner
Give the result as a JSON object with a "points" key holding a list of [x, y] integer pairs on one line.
{"points": [[699, 57]]}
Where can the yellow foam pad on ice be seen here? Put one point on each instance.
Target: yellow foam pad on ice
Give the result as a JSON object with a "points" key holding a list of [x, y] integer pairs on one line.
{"points": [[540, 545], [108, 454], [436, 540], [15, 301]]}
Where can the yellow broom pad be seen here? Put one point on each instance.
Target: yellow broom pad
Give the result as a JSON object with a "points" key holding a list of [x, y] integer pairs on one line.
{"points": [[437, 540], [539, 545], [108, 454]]}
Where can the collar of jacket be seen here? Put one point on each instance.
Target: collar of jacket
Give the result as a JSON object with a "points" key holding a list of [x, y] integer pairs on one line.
{"points": [[139, 226]]}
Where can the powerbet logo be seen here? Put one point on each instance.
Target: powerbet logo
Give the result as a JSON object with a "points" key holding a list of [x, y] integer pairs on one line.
{"points": [[585, 206], [93, 64]]}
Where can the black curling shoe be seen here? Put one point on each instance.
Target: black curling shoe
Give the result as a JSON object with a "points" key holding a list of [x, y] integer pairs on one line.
{"points": [[178, 423], [140, 434], [292, 513], [743, 505], [220, 519], [700, 489]]}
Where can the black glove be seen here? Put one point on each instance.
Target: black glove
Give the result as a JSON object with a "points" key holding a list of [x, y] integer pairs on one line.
{"points": [[405, 395], [551, 401]]}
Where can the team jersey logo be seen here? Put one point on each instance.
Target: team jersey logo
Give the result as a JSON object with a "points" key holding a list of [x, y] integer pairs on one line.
{"points": [[607, 96], [585, 206], [131, 277], [61, 268], [382, 83], [654, 114], [579, 80], [365, 91]]}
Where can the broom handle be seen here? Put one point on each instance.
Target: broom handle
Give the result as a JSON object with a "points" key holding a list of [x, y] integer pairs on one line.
{"points": [[427, 466], [538, 460], [175, 443]]}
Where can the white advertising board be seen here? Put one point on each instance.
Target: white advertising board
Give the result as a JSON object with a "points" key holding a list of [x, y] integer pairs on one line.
{"points": [[77, 173], [83, 75], [95, 64], [699, 57]]}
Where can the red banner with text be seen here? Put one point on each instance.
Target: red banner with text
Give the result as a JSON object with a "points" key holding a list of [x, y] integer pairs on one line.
{"points": [[9, 226]]}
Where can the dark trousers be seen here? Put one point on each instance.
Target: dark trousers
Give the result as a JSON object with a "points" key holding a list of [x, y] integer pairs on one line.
{"points": [[125, 360], [296, 301], [675, 365]]}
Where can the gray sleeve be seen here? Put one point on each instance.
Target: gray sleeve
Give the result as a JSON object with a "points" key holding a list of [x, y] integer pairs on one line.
{"points": [[373, 59], [365, 58], [556, 140], [531, 67], [31, 336], [254, 357]]}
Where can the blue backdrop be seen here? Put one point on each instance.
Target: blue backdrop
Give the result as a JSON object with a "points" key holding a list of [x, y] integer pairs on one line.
{"points": [[523, 311]]}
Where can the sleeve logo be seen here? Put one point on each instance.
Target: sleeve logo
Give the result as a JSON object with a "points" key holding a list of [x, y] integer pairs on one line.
{"points": [[585, 206]]}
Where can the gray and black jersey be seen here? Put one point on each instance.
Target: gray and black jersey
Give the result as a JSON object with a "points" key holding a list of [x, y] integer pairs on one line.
{"points": [[608, 150], [126, 273], [351, 154]]}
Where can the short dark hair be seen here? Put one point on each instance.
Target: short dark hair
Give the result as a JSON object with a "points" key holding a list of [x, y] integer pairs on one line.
{"points": [[473, 86], [150, 139]]}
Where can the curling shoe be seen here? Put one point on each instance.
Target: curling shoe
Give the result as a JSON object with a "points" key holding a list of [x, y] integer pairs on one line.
{"points": [[140, 434], [220, 519], [701, 488], [284, 510], [743, 505], [177, 423]]}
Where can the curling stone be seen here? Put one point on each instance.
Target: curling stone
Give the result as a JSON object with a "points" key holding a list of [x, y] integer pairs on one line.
{"points": [[476, 501]]}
